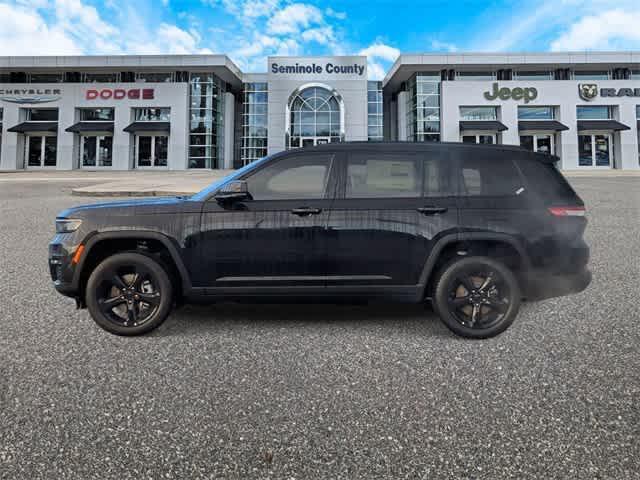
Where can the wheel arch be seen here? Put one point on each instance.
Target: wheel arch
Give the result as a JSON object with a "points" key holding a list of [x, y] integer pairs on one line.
{"points": [[134, 236], [449, 246]]}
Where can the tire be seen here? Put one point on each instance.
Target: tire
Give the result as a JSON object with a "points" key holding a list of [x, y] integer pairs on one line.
{"points": [[476, 297], [129, 294]]}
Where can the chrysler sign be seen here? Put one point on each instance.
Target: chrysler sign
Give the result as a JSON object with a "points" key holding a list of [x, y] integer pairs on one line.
{"points": [[30, 95], [120, 94]]}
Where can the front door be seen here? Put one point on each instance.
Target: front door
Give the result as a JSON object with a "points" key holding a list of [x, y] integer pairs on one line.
{"points": [[390, 209], [278, 238], [595, 150], [41, 151]]}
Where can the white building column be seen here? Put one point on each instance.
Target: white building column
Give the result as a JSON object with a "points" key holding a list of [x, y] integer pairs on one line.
{"points": [[229, 129], [11, 154], [628, 158], [567, 148], [509, 116], [402, 116]]}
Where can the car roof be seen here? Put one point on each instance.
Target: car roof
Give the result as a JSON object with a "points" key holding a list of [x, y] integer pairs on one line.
{"points": [[421, 146]]}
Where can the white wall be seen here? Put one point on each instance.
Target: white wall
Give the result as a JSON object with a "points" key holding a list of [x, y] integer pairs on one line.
{"points": [[172, 95], [559, 93]]}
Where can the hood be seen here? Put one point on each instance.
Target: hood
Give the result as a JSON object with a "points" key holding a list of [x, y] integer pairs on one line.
{"points": [[146, 206]]}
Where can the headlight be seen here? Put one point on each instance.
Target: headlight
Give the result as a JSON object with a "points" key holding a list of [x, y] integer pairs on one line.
{"points": [[67, 225]]}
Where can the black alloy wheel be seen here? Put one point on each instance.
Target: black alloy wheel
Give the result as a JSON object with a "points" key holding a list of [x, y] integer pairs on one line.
{"points": [[129, 294], [477, 297]]}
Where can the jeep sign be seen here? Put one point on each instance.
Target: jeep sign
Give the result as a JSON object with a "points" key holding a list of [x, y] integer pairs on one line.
{"points": [[517, 93]]}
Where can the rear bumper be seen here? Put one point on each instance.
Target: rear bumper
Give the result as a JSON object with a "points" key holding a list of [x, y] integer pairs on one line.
{"points": [[538, 286]]}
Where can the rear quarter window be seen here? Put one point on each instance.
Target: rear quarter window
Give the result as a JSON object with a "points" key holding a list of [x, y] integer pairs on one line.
{"points": [[546, 180], [488, 174]]}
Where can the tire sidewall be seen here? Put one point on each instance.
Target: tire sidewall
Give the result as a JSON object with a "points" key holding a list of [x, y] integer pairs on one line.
{"points": [[441, 293], [161, 277]]}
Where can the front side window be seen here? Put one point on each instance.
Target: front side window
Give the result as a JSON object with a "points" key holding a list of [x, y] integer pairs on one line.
{"points": [[536, 113], [292, 178], [437, 177], [594, 112], [152, 114], [371, 175], [478, 113], [483, 174]]}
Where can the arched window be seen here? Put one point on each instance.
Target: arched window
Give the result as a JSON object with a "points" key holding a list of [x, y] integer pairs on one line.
{"points": [[315, 117]]}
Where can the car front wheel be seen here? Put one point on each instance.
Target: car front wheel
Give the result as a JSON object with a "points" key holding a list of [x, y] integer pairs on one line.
{"points": [[476, 297], [129, 294]]}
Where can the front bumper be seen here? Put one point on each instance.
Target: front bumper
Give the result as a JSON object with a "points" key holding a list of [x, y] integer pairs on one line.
{"points": [[61, 268], [538, 286]]}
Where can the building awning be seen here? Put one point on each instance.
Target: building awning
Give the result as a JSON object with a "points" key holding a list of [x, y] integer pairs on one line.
{"points": [[91, 127], [148, 127], [612, 125], [542, 125], [26, 127], [489, 125]]}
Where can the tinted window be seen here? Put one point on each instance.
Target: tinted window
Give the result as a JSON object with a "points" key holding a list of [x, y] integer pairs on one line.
{"points": [[437, 177], [371, 175], [298, 177], [545, 179], [488, 174]]}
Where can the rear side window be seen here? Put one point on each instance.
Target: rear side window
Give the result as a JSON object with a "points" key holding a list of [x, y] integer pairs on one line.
{"points": [[546, 180], [372, 175], [488, 174]]}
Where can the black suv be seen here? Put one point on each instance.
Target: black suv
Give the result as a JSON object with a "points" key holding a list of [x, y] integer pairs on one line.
{"points": [[472, 228]]}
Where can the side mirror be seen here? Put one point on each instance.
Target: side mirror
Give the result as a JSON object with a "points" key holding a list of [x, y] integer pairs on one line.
{"points": [[233, 191]]}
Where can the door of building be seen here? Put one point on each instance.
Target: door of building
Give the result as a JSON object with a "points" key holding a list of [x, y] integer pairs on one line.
{"points": [[41, 151], [482, 138], [595, 150], [311, 141], [151, 150], [96, 151]]}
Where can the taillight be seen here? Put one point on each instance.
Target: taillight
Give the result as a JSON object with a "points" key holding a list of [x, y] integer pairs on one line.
{"points": [[567, 211]]}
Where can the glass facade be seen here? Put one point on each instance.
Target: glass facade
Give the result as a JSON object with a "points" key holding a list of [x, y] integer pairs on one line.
{"points": [[97, 114], [315, 118], [594, 112], [374, 109], [423, 107], [475, 75], [536, 113], [591, 75], [478, 113], [206, 122], [533, 75], [42, 114], [254, 121], [152, 114]]}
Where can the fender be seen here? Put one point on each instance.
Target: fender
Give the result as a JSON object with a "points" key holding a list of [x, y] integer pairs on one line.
{"points": [[135, 234], [468, 236]]}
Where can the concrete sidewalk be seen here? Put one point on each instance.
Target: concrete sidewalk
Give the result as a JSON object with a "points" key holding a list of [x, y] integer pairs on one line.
{"points": [[167, 183]]}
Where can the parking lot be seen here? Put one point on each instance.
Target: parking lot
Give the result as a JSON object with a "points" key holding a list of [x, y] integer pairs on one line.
{"points": [[320, 391]]}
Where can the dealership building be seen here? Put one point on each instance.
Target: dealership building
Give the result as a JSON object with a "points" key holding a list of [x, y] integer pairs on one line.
{"points": [[180, 112]]}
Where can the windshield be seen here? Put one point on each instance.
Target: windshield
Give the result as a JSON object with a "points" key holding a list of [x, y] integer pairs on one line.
{"points": [[209, 189]]}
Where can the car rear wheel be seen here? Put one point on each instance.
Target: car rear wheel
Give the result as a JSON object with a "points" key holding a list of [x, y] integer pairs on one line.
{"points": [[476, 297], [129, 294]]}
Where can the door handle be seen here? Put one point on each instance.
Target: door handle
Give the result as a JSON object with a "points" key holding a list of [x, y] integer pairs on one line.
{"points": [[305, 211], [432, 210]]}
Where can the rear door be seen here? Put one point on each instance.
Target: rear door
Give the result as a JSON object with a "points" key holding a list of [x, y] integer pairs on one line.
{"points": [[382, 227]]}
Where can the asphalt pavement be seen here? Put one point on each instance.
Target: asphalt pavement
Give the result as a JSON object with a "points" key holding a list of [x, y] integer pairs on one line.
{"points": [[325, 391]]}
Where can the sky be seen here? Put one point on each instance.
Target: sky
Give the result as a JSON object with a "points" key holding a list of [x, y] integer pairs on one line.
{"points": [[250, 30]]}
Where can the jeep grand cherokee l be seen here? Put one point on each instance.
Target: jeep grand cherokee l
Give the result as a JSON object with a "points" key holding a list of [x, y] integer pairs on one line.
{"points": [[473, 229]]}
